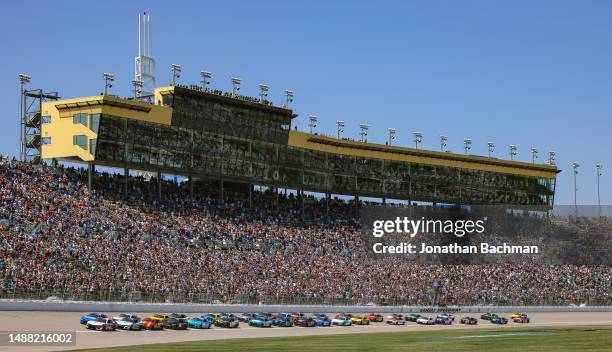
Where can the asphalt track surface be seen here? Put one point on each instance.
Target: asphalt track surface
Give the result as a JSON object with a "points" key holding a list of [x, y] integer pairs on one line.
{"points": [[69, 321]]}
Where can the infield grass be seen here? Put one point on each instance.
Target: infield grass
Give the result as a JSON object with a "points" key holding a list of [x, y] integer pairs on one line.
{"points": [[582, 338]]}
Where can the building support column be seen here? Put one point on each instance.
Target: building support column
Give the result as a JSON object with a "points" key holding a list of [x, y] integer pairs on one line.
{"points": [[250, 195], [384, 201], [356, 206], [90, 175], [159, 182], [126, 175], [191, 188], [302, 201], [327, 196]]}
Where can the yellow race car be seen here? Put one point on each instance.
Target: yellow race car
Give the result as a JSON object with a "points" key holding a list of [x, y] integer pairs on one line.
{"points": [[215, 316], [160, 316], [518, 315], [360, 320]]}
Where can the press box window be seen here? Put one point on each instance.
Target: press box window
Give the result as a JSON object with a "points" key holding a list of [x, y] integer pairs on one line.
{"points": [[46, 140], [80, 140], [45, 119], [94, 122], [80, 118]]}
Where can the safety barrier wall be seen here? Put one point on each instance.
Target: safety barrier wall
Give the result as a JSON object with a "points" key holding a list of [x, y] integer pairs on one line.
{"points": [[82, 306]]}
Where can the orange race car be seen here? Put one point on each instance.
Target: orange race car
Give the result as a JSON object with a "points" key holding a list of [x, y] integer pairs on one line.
{"points": [[152, 324]]}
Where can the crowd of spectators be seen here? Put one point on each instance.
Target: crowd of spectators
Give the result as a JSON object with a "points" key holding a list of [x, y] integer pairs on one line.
{"points": [[57, 234]]}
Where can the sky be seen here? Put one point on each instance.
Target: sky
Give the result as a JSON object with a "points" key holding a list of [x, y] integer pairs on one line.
{"points": [[530, 73]]}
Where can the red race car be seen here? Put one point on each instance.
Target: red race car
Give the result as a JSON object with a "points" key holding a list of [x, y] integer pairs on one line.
{"points": [[375, 317], [396, 319]]}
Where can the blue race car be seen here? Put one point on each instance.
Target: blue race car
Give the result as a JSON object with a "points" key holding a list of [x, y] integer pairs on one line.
{"points": [[283, 321], [92, 316], [260, 322], [199, 323], [321, 320], [499, 320]]}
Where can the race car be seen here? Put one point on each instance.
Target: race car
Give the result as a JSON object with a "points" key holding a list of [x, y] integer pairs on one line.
{"points": [[229, 315], [499, 320], [488, 316], [448, 316], [375, 318], [413, 317], [425, 321], [442, 320], [91, 316], [214, 316], [101, 324], [150, 323], [175, 324], [178, 316], [245, 317], [469, 321], [260, 322], [321, 320], [199, 323], [343, 315], [160, 316], [226, 322], [523, 318], [515, 315], [306, 322], [128, 322], [360, 320], [283, 321], [342, 321], [297, 316], [396, 319], [124, 315]]}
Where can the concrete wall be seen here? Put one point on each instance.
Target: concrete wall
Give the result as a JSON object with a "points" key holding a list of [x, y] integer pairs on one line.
{"points": [[80, 306]]}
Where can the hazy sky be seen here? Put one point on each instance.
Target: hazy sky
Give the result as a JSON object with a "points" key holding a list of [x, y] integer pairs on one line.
{"points": [[531, 73]]}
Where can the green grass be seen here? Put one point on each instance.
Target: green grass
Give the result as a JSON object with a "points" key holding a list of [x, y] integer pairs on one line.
{"points": [[583, 338]]}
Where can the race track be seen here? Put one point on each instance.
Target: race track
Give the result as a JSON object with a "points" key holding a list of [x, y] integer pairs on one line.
{"points": [[69, 321]]}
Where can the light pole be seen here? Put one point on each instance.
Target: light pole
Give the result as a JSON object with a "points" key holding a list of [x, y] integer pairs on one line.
{"points": [[599, 167], [206, 76], [340, 128], [235, 86], [363, 132], [391, 132], [263, 92], [288, 98], [534, 155], [513, 151], [418, 138], [108, 79], [490, 148], [443, 144], [137, 88], [23, 80], [575, 166], [312, 122], [467, 145], [552, 157], [176, 72]]}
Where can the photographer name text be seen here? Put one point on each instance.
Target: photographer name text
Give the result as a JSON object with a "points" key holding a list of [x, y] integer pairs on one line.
{"points": [[453, 248]]}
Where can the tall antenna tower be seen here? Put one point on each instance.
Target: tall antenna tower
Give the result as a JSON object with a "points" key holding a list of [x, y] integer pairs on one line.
{"points": [[144, 68]]}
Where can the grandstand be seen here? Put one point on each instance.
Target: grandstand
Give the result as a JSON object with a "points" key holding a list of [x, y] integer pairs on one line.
{"points": [[238, 142]]}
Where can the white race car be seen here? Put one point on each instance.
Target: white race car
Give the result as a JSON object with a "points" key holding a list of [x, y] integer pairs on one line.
{"points": [[446, 316], [425, 321], [128, 323], [101, 324], [342, 321]]}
